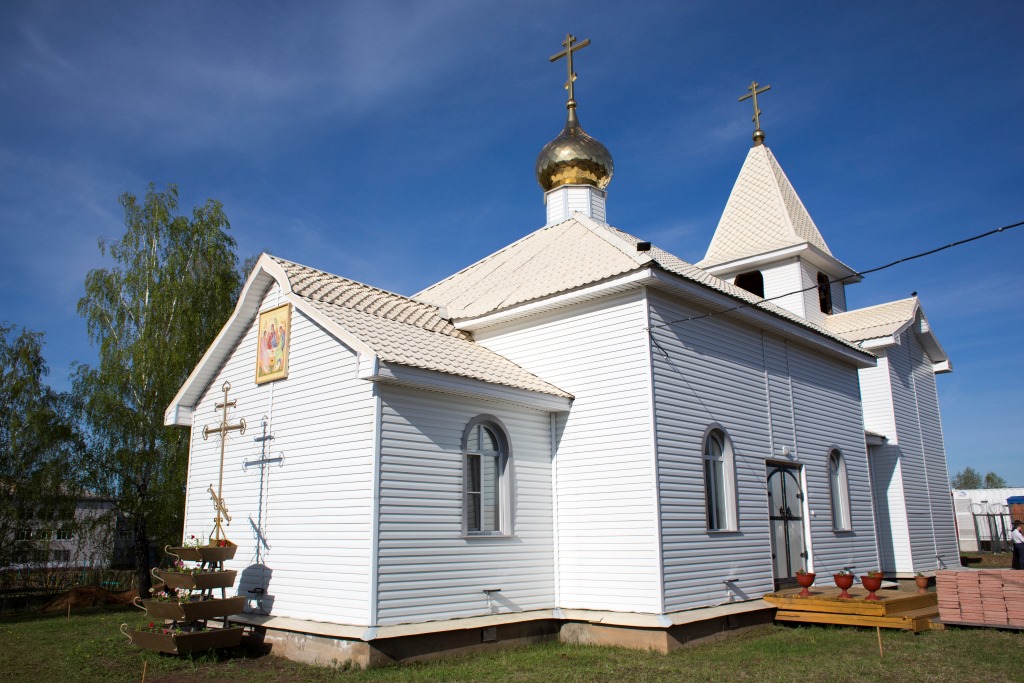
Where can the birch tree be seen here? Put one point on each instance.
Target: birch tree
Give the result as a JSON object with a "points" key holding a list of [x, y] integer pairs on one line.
{"points": [[152, 314]]}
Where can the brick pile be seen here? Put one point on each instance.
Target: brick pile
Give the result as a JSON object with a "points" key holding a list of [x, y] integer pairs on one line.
{"points": [[992, 597]]}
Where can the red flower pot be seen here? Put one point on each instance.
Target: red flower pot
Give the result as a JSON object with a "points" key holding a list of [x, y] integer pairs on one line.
{"points": [[844, 581], [871, 584], [805, 580], [922, 583]]}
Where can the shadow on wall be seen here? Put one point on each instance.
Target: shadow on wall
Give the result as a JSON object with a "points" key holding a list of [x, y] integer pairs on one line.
{"points": [[254, 586]]}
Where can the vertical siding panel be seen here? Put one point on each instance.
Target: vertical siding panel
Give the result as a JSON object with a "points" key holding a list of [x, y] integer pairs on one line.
{"points": [[426, 569], [710, 371], [826, 397], [315, 508], [608, 547]]}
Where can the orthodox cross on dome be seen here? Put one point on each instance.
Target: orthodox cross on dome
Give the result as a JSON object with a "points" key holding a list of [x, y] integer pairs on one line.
{"points": [[567, 53], [754, 92], [222, 430]]}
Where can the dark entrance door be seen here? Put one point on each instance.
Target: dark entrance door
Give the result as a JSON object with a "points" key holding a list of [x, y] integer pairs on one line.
{"points": [[786, 519]]}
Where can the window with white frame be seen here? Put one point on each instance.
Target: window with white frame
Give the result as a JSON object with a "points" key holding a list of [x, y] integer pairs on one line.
{"points": [[839, 491], [486, 478], [719, 490]]}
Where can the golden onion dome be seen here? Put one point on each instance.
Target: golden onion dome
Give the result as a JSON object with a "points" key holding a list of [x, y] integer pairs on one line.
{"points": [[574, 158]]}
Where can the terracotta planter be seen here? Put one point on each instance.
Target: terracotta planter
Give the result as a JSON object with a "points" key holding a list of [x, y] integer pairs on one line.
{"points": [[871, 584], [922, 583], [844, 581], [185, 642], [195, 610], [198, 580], [805, 580], [205, 553]]}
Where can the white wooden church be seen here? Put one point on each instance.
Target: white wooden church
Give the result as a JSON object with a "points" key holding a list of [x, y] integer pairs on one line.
{"points": [[578, 435]]}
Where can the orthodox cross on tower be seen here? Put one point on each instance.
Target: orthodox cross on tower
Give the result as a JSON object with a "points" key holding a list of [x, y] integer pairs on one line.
{"points": [[222, 430], [567, 53], [754, 92]]}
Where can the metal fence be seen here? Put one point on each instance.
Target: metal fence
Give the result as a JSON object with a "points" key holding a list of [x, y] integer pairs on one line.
{"points": [[992, 526]]}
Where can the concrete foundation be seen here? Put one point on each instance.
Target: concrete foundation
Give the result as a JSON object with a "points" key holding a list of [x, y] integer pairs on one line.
{"points": [[664, 640], [326, 645]]}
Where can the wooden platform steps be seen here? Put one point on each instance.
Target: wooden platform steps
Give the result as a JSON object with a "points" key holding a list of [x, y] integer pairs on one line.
{"points": [[903, 609]]}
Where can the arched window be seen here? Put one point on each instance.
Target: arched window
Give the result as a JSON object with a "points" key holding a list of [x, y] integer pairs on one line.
{"points": [[486, 485], [839, 491], [753, 282], [824, 294], [719, 491]]}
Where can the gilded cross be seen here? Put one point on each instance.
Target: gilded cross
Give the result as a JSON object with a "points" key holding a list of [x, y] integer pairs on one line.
{"points": [[567, 53], [223, 429], [754, 92]]}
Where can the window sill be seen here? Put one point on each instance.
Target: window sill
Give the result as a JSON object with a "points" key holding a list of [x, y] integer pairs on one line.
{"points": [[717, 532], [484, 537]]}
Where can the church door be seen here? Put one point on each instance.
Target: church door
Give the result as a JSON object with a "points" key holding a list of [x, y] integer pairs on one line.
{"points": [[786, 518]]}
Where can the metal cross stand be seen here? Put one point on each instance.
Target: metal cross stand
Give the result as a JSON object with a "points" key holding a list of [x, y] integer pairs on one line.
{"points": [[218, 496]]}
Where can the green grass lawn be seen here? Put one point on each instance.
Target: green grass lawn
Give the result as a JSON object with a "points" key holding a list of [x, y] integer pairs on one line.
{"points": [[47, 647]]}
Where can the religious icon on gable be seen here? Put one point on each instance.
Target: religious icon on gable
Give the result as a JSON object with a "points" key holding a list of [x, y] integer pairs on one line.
{"points": [[274, 338]]}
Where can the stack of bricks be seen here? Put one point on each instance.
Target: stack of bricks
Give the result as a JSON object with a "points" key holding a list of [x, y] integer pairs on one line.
{"points": [[992, 597], [949, 598]]}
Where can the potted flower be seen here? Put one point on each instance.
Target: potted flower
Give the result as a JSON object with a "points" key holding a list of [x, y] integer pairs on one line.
{"points": [[922, 582], [872, 581], [843, 579], [178, 640], [182, 577], [182, 605], [806, 580], [213, 551]]}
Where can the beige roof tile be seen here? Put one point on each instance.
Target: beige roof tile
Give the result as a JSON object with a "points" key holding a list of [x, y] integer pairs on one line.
{"points": [[875, 321], [554, 259], [569, 255], [406, 332], [763, 213]]}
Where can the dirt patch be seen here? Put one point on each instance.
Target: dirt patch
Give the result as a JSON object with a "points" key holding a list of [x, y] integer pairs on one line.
{"points": [[89, 596]]}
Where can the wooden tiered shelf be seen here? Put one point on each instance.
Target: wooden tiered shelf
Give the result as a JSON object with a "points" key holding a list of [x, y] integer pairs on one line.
{"points": [[185, 624], [902, 609]]}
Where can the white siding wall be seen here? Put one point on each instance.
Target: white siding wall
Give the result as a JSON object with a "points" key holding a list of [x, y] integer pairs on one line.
{"points": [[935, 469], [315, 509], [827, 398], [785, 278], [809, 285], [902, 359], [890, 510], [427, 569], [876, 394], [766, 394], [838, 297], [910, 469], [563, 201], [608, 544]]}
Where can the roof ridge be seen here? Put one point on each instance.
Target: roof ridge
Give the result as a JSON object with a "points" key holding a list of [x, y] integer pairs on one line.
{"points": [[366, 298]]}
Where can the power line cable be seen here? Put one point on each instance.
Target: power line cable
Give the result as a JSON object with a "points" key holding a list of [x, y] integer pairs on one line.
{"points": [[831, 282]]}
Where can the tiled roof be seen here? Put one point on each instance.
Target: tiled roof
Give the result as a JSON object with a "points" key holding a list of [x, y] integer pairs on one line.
{"points": [[567, 256], [406, 332], [875, 321], [763, 213], [554, 259]]}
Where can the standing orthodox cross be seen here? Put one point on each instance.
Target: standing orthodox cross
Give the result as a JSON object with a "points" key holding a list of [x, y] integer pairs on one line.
{"points": [[754, 92], [222, 429], [567, 53]]}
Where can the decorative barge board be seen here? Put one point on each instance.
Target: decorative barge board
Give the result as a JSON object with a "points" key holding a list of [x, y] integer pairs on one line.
{"points": [[900, 609]]}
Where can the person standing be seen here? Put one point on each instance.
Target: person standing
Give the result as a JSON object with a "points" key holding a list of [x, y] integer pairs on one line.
{"points": [[1017, 536]]}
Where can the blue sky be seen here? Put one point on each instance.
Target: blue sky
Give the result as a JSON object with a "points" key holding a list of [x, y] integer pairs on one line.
{"points": [[394, 143]]}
